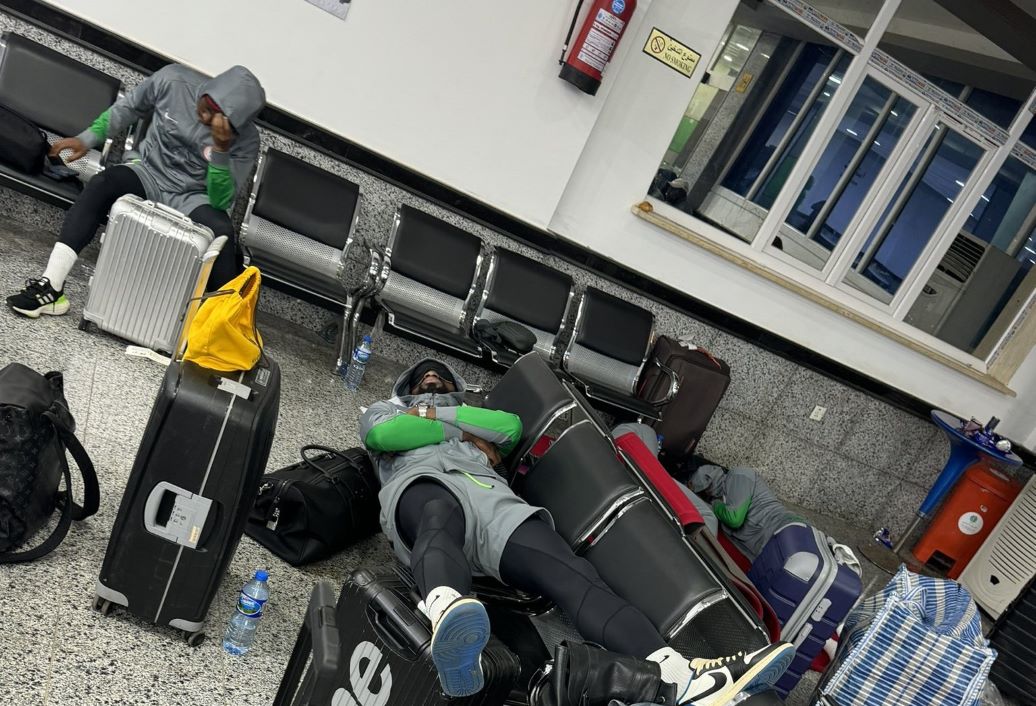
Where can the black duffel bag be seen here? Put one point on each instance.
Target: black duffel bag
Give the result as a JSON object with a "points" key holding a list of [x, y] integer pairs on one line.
{"points": [[22, 145], [316, 507], [36, 429], [583, 674]]}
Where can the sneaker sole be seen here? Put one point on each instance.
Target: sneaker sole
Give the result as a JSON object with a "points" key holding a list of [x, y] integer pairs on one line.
{"points": [[457, 648], [759, 678], [47, 309]]}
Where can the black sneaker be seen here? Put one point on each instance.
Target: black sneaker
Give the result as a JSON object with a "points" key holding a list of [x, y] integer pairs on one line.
{"points": [[38, 298], [716, 681]]}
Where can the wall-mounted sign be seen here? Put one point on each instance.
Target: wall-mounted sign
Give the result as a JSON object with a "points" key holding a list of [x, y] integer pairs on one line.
{"points": [[338, 8], [743, 82], [672, 53]]}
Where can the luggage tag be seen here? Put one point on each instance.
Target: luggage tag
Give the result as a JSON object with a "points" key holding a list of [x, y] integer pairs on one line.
{"points": [[234, 387], [142, 352]]}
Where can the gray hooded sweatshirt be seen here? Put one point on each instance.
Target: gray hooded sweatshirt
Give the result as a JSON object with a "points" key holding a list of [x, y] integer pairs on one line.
{"points": [[178, 165], [744, 504], [405, 448]]}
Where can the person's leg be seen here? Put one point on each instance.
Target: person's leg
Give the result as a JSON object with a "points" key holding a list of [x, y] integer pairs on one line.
{"points": [[430, 521], [431, 524], [537, 559], [226, 266], [45, 294]]}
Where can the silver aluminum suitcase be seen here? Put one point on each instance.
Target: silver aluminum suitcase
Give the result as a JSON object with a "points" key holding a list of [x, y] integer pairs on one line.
{"points": [[154, 261]]}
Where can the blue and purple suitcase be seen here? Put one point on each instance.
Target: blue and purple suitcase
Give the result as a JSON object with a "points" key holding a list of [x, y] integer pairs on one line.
{"points": [[811, 592]]}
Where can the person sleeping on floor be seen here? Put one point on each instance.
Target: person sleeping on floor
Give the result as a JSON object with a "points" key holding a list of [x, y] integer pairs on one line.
{"points": [[449, 515]]}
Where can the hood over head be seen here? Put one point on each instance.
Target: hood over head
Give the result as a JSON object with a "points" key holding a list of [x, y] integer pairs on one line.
{"points": [[709, 480], [401, 390], [238, 93]]}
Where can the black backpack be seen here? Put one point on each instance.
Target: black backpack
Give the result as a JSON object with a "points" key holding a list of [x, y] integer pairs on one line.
{"points": [[319, 506], [36, 429], [22, 144]]}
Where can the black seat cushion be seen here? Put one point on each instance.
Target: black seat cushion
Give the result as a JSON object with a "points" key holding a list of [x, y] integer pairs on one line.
{"points": [[435, 253], [57, 93], [306, 199], [580, 481], [531, 390], [644, 559], [528, 291], [614, 327], [56, 193], [420, 326]]}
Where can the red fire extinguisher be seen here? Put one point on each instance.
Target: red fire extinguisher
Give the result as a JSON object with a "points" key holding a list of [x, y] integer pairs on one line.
{"points": [[596, 44]]}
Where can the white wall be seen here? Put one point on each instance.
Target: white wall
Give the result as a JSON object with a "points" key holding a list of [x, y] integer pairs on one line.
{"points": [[619, 161], [464, 91]]}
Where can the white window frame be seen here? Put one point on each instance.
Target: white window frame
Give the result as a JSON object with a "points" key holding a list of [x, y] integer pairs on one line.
{"points": [[934, 108]]}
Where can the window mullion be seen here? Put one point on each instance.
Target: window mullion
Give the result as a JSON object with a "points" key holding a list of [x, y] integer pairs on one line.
{"points": [[826, 126], [868, 215], [937, 248]]}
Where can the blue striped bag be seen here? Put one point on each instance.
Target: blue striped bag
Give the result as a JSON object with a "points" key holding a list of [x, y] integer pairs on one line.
{"points": [[918, 642]]}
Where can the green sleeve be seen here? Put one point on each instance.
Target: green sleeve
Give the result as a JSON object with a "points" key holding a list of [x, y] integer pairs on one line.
{"points": [[501, 428], [404, 432], [732, 517], [220, 186], [99, 127]]}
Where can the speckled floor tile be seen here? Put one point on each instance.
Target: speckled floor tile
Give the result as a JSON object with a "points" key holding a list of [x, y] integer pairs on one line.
{"points": [[731, 438], [757, 377], [797, 400]]}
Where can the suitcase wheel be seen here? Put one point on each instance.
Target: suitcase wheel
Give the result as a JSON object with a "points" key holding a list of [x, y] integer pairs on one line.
{"points": [[102, 605], [84, 325], [195, 638]]}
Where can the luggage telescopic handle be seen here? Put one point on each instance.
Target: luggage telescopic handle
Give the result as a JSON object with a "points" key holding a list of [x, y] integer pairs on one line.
{"points": [[319, 635]]}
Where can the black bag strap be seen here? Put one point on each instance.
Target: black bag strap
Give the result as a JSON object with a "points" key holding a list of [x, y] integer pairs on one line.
{"points": [[91, 488], [323, 449], [69, 509]]}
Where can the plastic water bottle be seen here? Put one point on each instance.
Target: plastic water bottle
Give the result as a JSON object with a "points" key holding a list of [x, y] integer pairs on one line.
{"points": [[357, 366], [241, 631]]}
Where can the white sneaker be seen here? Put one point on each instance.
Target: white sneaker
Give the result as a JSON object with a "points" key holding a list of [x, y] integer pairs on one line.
{"points": [[714, 682], [460, 631]]}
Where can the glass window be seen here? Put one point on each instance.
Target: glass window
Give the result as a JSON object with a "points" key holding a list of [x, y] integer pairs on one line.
{"points": [[1000, 109], [795, 93], [987, 276], [925, 195], [847, 170]]}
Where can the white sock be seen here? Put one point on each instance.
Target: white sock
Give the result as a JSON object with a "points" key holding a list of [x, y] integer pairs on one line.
{"points": [[60, 264], [438, 600], [676, 669]]}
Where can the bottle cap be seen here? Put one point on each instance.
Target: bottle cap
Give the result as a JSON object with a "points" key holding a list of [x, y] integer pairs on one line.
{"points": [[261, 575], [367, 339]]}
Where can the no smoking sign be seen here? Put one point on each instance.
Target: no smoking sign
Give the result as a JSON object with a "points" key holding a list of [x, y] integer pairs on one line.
{"points": [[677, 56]]}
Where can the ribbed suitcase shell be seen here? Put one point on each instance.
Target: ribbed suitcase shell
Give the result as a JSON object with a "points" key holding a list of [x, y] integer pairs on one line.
{"points": [[377, 618], [210, 443], [811, 593], [150, 265]]}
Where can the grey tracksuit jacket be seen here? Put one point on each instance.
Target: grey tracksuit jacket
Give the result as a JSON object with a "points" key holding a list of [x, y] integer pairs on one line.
{"points": [[178, 166]]}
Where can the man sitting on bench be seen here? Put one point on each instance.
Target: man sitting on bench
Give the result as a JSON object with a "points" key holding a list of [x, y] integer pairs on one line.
{"points": [[449, 514], [201, 145]]}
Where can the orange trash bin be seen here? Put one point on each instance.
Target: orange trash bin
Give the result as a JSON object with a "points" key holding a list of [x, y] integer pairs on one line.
{"points": [[966, 518]]}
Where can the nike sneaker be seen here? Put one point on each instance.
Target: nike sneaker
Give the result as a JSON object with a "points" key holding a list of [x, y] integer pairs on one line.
{"points": [[460, 632], [714, 682], [38, 298]]}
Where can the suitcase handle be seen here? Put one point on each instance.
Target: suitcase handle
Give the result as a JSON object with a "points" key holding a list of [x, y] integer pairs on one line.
{"points": [[319, 635], [384, 611]]}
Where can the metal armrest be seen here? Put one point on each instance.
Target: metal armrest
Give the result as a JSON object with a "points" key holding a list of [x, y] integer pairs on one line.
{"points": [[674, 385]]}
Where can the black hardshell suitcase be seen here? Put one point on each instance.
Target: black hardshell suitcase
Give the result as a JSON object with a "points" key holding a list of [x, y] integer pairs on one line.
{"points": [[703, 380], [384, 652], [192, 485]]}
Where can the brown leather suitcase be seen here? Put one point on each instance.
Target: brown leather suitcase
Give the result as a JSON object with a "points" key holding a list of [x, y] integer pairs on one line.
{"points": [[703, 379]]}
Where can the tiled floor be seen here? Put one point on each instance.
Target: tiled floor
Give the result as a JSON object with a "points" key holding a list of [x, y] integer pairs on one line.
{"points": [[54, 649]]}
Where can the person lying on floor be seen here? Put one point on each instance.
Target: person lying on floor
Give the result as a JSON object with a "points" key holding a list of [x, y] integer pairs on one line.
{"points": [[744, 504], [650, 439], [202, 144], [448, 515]]}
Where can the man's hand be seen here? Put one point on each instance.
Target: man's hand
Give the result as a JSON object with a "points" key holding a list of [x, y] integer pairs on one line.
{"points": [[486, 447], [222, 133], [415, 412], [79, 149]]}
